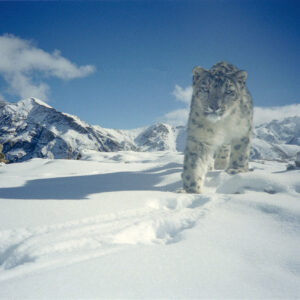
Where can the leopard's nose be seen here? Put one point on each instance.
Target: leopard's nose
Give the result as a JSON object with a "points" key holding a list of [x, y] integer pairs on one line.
{"points": [[214, 106]]}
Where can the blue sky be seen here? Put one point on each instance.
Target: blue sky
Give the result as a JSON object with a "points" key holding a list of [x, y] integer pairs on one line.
{"points": [[132, 54]]}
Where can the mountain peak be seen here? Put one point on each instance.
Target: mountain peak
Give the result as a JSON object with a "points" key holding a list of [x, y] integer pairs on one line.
{"points": [[33, 101]]}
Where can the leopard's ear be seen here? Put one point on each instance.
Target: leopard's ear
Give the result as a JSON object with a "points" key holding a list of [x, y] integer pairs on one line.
{"points": [[197, 73], [241, 76], [198, 70]]}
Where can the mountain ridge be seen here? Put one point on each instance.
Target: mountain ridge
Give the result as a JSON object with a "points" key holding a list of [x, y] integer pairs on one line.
{"points": [[31, 128]]}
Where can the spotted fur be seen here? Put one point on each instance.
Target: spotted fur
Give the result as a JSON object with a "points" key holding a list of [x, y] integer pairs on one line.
{"points": [[220, 124]]}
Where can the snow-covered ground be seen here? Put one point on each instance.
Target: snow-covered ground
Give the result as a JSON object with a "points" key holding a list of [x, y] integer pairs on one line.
{"points": [[113, 226]]}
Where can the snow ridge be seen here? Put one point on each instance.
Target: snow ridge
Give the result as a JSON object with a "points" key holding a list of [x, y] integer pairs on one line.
{"points": [[31, 128]]}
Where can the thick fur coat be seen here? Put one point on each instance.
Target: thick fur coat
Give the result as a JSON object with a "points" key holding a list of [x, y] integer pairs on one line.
{"points": [[219, 126]]}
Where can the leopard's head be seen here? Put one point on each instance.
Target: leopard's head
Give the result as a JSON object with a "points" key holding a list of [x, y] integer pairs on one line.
{"points": [[217, 91]]}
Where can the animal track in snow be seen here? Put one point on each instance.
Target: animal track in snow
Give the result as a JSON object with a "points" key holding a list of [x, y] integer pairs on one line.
{"points": [[162, 221]]}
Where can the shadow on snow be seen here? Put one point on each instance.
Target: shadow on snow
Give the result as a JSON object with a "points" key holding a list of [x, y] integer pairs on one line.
{"points": [[79, 187]]}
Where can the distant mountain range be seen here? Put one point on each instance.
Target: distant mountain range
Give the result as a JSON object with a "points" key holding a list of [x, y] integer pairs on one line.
{"points": [[31, 128]]}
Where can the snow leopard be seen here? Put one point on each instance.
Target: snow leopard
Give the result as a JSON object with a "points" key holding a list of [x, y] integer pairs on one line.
{"points": [[219, 126]]}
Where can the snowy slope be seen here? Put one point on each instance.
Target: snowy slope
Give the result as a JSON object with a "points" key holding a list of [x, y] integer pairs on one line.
{"points": [[278, 139], [30, 128], [111, 225]]}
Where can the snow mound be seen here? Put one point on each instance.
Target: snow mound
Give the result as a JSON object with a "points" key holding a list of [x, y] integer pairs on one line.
{"points": [[238, 184]]}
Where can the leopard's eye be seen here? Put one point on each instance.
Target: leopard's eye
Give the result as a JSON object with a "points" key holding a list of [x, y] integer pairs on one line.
{"points": [[204, 85], [196, 77], [230, 90]]}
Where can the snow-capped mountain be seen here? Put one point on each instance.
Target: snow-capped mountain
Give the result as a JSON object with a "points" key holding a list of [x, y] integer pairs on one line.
{"points": [[277, 139], [31, 128], [281, 132], [159, 137]]}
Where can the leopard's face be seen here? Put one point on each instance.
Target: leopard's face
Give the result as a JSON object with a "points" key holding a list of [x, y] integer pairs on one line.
{"points": [[218, 93]]}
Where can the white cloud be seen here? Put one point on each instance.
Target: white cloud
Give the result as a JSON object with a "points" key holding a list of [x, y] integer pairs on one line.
{"points": [[177, 117], [20, 61], [2, 98], [180, 116], [183, 94], [267, 114]]}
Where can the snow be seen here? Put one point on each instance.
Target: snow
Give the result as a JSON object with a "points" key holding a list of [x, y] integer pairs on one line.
{"points": [[113, 225]]}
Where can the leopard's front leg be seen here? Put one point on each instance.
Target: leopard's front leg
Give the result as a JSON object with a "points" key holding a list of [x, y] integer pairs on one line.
{"points": [[239, 155], [196, 160]]}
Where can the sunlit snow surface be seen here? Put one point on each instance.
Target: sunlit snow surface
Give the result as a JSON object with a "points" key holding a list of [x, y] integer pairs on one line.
{"points": [[113, 225]]}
